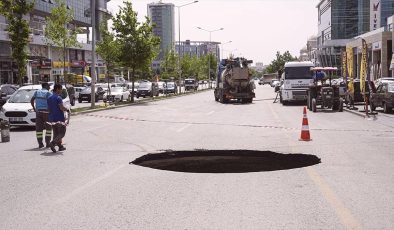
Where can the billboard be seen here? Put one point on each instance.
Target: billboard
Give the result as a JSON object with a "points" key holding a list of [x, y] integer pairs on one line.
{"points": [[375, 15]]}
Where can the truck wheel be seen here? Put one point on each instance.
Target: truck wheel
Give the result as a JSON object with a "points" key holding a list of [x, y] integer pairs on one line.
{"points": [[314, 105], [373, 107], [386, 108], [340, 109]]}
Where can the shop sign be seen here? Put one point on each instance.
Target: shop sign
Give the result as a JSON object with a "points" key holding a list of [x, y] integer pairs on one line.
{"points": [[46, 63], [35, 63], [377, 45], [78, 64], [375, 14], [59, 64]]}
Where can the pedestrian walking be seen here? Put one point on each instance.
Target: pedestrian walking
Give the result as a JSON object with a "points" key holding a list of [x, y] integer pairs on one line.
{"points": [[56, 118], [40, 106]]}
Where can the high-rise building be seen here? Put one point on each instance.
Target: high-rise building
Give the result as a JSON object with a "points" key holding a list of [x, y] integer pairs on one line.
{"points": [[162, 16], [198, 48]]}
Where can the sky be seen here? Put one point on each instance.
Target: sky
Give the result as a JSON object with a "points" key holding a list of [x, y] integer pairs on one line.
{"points": [[257, 28]]}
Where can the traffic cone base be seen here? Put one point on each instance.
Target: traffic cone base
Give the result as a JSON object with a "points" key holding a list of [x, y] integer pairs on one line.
{"points": [[305, 135]]}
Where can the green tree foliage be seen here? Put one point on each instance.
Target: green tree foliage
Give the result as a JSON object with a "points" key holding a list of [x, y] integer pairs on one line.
{"points": [[18, 31], [204, 66], [108, 48], [279, 63], [137, 44], [57, 31], [169, 65]]}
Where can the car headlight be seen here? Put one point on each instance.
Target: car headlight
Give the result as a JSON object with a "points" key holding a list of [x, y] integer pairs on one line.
{"points": [[31, 110], [2, 110]]}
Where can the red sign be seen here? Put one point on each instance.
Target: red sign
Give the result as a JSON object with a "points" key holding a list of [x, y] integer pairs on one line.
{"points": [[77, 64], [46, 63]]}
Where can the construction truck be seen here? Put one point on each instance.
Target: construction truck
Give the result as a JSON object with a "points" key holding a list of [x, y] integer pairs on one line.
{"points": [[234, 82]]}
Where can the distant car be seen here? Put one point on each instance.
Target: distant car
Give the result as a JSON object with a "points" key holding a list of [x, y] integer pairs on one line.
{"points": [[71, 93], [161, 86], [383, 97], [274, 83], [85, 94], [147, 88], [18, 110], [119, 93], [191, 84], [383, 80], [78, 89], [171, 87], [5, 93], [261, 81]]}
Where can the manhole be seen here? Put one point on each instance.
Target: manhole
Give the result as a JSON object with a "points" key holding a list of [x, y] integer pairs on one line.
{"points": [[224, 161]]}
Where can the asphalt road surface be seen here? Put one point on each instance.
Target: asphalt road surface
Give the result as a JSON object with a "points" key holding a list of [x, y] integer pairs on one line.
{"points": [[91, 185]]}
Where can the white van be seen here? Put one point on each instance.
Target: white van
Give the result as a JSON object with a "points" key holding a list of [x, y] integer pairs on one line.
{"points": [[18, 111]]}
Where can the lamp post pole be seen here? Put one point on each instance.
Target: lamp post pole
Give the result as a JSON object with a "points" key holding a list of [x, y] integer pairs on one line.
{"points": [[93, 65], [209, 53], [179, 42], [223, 56]]}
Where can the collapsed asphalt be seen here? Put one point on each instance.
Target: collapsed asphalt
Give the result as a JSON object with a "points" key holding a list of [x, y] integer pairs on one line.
{"points": [[225, 161]]}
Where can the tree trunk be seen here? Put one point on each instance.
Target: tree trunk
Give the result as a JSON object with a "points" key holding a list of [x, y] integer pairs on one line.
{"points": [[132, 84]]}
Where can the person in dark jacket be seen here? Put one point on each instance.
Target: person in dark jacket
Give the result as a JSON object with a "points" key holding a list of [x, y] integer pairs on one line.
{"points": [[56, 118]]}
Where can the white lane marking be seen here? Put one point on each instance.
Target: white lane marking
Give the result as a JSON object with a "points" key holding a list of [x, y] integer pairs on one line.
{"points": [[183, 128], [210, 113], [89, 184]]}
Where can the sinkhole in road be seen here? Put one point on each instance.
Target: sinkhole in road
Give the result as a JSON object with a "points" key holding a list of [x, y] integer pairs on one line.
{"points": [[225, 161]]}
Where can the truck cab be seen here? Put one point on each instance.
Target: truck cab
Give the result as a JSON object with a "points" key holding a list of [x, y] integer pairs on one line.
{"points": [[295, 80]]}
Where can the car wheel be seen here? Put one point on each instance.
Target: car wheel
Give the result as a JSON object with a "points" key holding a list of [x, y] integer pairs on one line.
{"points": [[121, 98], [79, 100], [72, 102]]}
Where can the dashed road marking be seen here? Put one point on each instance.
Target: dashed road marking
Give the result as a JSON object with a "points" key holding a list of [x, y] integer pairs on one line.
{"points": [[183, 128]]}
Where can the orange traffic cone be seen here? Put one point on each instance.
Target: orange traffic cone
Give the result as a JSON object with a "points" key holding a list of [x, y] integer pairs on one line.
{"points": [[305, 135]]}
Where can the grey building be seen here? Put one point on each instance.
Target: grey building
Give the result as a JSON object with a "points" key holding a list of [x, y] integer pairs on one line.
{"points": [[339, 21], [197, 48], [162, 16], [45, 62]]}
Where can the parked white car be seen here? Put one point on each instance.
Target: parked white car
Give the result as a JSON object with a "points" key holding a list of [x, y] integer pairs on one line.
{"points": [[18, 111], [120, 93]]}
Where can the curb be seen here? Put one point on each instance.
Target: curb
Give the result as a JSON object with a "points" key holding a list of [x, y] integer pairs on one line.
{"points": [[354, 112], [137, 102]]}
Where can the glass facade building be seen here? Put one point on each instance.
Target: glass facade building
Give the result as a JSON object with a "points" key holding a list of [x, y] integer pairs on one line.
{"points": [[162, 16]]}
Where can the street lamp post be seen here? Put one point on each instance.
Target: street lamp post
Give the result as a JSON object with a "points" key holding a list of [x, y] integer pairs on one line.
{"points": [[179, 41], [223, 48], [209, 56], [93, 66]]}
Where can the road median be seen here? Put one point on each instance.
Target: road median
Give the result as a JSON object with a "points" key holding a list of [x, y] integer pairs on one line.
{"points": [[107, 106]]}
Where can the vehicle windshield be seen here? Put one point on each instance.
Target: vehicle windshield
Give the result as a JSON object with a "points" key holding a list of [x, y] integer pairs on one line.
{"points": [[116, 89], [22, 96], [144, 85], [189, 81], [298, 73], [391, 88], [170, 85]]}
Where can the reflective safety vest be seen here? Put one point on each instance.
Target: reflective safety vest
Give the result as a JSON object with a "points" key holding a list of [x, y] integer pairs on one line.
{"points": [[41, 97]]}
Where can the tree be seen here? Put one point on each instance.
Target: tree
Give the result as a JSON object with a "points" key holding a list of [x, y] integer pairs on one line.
{"points": [[18, 31], [278, 64], [108, 49], [57, 31], [204, 66], [137, 44], [169, 65]]}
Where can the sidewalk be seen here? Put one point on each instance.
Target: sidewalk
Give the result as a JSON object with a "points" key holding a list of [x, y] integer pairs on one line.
{"points": [[359, 110]]}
